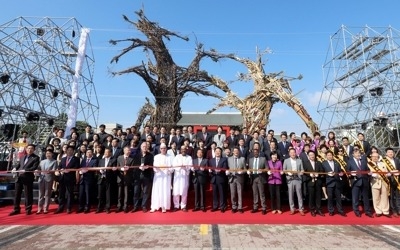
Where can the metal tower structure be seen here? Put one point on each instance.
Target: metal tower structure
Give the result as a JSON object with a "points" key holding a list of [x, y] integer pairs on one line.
{"points": [[37, 62], [362, 82]]}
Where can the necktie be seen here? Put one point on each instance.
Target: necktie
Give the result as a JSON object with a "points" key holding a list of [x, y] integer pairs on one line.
{"points": [[255, 165], [26, 159], [68, 160], [216, 161], [204, 137], [332, 166], [359, 164], [87, 162], [236, 163]]}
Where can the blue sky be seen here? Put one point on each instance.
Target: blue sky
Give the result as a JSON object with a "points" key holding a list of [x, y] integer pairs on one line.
{"points": [[297, 32]]}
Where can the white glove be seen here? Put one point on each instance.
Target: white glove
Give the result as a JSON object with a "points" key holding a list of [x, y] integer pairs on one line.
{"points": [[259, 172], [269, 172], [65, 171], [341, 174], [289, 173], [22, 171], [301, 173], [312, 175], [282, 173], [353, 173], [315, 175], [14, 170], [114, 169], [388, 174], [102, 171], [202, 169], [396, 173], [210, 170], [331, 173], [240, 172], [248, 172], [141, 168], [57, 173], [84, 170], [227, 172], [126, 168], [37, 173], [217, 171], [374, 175], [80, 172], [122, 168]]}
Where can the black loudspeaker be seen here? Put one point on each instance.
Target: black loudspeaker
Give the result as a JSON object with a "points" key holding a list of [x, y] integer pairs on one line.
{"points": [[10, 131]]}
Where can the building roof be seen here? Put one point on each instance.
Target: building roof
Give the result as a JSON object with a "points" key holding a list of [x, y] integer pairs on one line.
{"points": [[217, 118]]}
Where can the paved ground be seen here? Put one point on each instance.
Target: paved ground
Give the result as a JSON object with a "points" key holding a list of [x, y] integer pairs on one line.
{"points": [[200, 237]]}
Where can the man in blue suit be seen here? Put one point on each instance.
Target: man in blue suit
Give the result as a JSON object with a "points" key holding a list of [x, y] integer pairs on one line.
{"points": [[359, 182], [86, 180], [219, 180], [333, 183]]}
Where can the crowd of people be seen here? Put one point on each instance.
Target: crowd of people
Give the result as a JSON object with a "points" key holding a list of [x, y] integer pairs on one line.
{"points": [[153, 170]]}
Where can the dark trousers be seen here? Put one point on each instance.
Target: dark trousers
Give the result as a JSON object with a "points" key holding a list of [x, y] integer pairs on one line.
{"points": [[275, 194], [258, 193], [337, 192], [314, 197], [103, 195], [123, 190], [363, 189], [28, 191], [66, 192], [394, 198], [141, 186], [219, 190], [199, 195], [84, 195]]}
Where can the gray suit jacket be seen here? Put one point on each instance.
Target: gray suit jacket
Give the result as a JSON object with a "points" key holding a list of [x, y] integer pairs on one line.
{"points": [[262, 162], [241, 164], [47, 165], [287, 166]]}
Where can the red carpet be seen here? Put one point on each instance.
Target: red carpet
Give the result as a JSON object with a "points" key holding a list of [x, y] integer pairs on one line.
{"points": [[186, 218]]}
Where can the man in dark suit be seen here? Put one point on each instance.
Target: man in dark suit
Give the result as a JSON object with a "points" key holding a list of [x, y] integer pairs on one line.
{"points": [[86, 180], [67, 179], [333, 183], [360, 184], [102, 134], [206, 137], [142, 178], [24, 180], [393, 164], [232, 139], [273, 148], [146, 132], [246, 137], [363, 145], [124, 179], [105, 179], [178, 138], [115, 150], [313, 182], [284, 146], [162, 134], [88, 135], [123, 142], [347, 148], [243, 148], [218, 180], [200, 176]]}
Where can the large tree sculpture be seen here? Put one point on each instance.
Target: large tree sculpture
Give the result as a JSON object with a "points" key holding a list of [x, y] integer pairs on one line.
{"points": [[167, 81], [268, 89]]}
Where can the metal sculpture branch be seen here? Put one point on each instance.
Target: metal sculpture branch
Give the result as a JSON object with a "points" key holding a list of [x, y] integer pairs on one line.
{"points": [[268, 90], [167, 81]]}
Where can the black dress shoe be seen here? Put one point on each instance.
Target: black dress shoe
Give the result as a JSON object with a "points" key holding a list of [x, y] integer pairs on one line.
{"points": [[86, 211], [321, 213], [387, 215], [331, 214], [264, 212], [58, 211], [343, 214], [254, 211], [14, 212], [144, 210], [214, 209], [134, 209], [80, 210], [196, 209], [184, 210], [357, 214], [28, 212], [69, 211], [119, 210], [204, 210], [313, 214], [222, 210], [378, 215], [241, 211], [233, 211], [175, 209], [126, 210], [98, 211], [108, 211]]}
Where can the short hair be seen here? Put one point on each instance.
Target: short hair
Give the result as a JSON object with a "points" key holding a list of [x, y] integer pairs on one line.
{"points": [[311, 151], [102, 126], [316, 133], [49, 150], [115, 139], [330, 152], [359, 133], [292, 149], [72, 147], [271, 130], [273, 153], [345, 138], [388, 149]]}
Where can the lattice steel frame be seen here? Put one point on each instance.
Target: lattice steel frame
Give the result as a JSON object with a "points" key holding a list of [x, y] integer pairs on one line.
{"points": [[361, 78], [43, 51]]}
